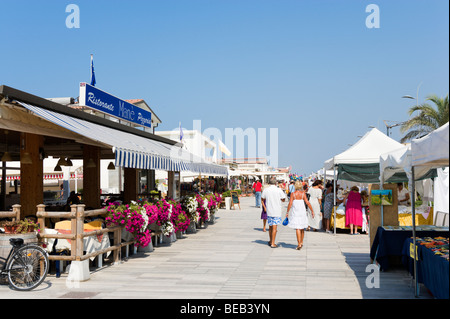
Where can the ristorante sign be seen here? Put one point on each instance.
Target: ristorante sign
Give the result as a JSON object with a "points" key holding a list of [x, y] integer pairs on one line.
{"points": [[104, 102]]}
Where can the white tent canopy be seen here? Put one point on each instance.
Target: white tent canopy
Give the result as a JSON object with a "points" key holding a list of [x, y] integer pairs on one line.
{"points": [[328, 174], [399, 161], [432, 149], [366, 151]]}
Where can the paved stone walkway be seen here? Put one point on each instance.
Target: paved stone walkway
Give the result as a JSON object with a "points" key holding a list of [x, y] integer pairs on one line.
{"points": [[231, 260]]}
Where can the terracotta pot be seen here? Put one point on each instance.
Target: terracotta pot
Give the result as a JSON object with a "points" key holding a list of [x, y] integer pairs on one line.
{"points": [[10, 229]]}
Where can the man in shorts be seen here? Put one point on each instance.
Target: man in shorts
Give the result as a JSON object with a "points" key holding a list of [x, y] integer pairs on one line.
{"points": [[273, 197]]}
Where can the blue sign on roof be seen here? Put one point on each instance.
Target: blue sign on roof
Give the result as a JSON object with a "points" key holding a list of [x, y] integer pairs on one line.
{"points": [[104, 102]]}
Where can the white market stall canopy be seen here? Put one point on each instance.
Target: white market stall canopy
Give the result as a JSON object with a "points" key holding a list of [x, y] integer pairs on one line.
{"points": [[131, 150], [360, 163], [398, 162], [431, 150]]}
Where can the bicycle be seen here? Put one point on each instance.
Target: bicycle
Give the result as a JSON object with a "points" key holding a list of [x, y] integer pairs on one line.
{"points": [[26, 266]]}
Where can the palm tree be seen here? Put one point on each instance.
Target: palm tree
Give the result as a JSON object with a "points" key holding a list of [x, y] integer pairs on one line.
{"points": [[427, 120]]}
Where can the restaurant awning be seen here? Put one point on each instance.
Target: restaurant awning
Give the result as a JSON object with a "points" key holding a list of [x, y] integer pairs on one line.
{"points": [[133, 151]]}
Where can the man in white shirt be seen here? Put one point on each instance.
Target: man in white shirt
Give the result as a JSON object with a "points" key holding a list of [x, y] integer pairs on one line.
{"points": [[403, 195], [273, 196]]}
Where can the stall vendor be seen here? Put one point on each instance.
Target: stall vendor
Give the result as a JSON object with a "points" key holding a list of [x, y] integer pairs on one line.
{"points": [[403, 195]]}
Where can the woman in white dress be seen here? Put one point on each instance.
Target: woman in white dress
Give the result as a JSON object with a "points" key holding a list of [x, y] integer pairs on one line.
{"points": [[315, 193], [297, 218]]}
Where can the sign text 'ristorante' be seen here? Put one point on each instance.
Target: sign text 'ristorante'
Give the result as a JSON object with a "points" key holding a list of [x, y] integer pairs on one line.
{"points": [[104, 102]]}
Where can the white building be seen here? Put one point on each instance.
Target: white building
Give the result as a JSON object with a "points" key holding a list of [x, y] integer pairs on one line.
{"points": [[197, 144]]}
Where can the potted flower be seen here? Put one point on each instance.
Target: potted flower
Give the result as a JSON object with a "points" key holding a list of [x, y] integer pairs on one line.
{"points": [[164, 214], [179, 219], [213, 204], [202, 210], [10, 227], [20, 227], [134, 218], [190, 205], [27, 226]]}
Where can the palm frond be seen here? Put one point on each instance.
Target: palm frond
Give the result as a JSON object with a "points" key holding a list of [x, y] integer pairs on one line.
{"points": [[428, 117]]}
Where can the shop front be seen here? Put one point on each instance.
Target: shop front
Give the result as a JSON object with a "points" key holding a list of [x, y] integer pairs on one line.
{"points": [[35, 128]]}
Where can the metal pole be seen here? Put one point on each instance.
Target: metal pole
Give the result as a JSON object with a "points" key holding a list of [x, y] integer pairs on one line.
{"points": [[413, 200], [382, 210], [334, 198]]}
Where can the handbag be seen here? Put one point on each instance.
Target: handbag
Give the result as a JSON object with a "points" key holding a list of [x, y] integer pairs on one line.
{"points": [[285, 221]]}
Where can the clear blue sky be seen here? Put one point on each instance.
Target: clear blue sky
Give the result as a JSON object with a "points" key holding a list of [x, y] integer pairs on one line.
{"points": [[310, 68]]}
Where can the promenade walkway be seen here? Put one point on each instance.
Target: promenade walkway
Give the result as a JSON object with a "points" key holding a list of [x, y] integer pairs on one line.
{"points": [[231, 259]]}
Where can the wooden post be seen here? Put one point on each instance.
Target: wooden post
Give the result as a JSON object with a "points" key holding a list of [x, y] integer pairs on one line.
{"points": [[117, 242], [73, 227], [79, 231], [130, 184], [31, 174], [91, 176], [16, 212], [41, 219]]}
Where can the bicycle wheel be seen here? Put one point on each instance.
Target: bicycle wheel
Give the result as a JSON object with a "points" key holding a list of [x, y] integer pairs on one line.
{"points": [[27, 267]]}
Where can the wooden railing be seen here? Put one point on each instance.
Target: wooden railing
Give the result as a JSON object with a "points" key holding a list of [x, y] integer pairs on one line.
{"points": [[14, 214], [77, 215]]}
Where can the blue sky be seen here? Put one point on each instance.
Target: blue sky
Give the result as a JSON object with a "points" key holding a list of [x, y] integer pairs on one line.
{"points": [[310, 68]]}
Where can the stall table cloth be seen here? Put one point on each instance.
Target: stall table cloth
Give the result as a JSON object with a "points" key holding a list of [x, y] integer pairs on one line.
{"points": [[390, 243]]}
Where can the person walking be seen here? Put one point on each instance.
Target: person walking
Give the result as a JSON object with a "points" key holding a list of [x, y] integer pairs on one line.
{"points": [[315, 193], [291, 188], [264, 217], [328, 206], [353, 210], [257, 189], [298, 219], [273, 197]]}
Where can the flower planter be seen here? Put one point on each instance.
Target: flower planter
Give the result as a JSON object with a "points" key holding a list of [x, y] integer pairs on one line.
{"points": [[228, 203], [201, 224], [212, 218], [169, 239], [10, 229], [192, 229], [148, 249], [154, 227], [179, 235]]}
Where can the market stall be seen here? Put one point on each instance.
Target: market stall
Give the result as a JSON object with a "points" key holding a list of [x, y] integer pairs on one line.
{"points": [[389, 240], [360, 163], [433, 268], [398, 164], [430, 151], [340, 218]]}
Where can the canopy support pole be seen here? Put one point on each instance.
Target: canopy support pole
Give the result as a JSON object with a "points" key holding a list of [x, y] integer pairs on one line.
{"points": [[334, 198], [382, 210], [413, 200]]}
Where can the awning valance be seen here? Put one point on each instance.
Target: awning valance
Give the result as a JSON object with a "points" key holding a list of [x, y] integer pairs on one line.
{"points": [[133, 151]]}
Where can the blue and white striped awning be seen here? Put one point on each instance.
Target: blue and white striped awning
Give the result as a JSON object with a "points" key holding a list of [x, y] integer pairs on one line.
{"points": [[133, 151]]}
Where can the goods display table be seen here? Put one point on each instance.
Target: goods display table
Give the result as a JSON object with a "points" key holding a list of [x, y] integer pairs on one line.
{"points": [[340, 219], [432, 263], [424, 215], [389, 241]]}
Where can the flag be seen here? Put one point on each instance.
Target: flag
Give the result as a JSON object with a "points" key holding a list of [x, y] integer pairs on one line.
{"points": [[181, 133], [92, 71]]}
